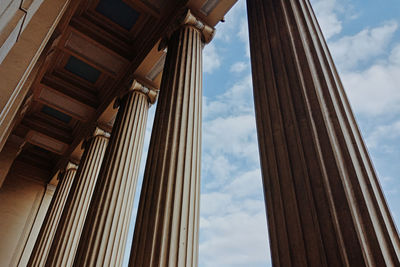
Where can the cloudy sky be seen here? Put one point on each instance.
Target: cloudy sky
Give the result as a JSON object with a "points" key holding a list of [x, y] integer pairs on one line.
{"points": [[364, 38]]}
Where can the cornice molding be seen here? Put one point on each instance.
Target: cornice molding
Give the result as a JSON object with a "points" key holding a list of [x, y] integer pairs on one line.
{"points": [[151, 94], [100, 132], [71, 166]]}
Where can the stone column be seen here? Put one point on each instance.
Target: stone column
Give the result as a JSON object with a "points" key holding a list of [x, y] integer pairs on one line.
{"points": [[104, 235], [23, 259], [167, 224], [69, 229], [8, 154], [42, 245], [324, 203]]}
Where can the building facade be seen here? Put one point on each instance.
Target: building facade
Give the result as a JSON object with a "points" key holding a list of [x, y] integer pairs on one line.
{"points": [[77, 80]]}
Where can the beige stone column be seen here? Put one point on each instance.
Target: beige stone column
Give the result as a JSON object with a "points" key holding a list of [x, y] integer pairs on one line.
{"points": [[8, 154], [18, 215], [167, 224], [69, 229], [43, 242], [325, 206], [104, 235], [22, 259]]}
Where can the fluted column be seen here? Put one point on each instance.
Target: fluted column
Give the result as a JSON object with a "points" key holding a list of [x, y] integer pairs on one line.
{"points": [[106, 228], [167, 223], [69, 229], [325, 206], [42, 245]]}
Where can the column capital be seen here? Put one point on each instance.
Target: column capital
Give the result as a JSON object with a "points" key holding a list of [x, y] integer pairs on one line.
{"points": [[151, 94], [100, 132], [206, 30], [71, 166], [96, 132]]}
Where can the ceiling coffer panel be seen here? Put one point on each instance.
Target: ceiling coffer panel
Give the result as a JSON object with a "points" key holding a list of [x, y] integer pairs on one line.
{"points": [[46, 142], [65, 104], [95, 53]]}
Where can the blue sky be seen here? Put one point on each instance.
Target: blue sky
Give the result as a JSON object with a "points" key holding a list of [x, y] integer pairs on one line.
{"points": [[364, 38]]}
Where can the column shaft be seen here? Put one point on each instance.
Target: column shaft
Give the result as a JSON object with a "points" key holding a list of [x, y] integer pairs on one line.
{"points": [[167, 224], [324, 203], [69, 229], [106, 228], [42, 245]]}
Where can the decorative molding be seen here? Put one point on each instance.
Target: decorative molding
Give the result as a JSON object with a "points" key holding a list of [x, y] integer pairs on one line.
{"points": [[71, 166], [100, 132], [151, 94]]}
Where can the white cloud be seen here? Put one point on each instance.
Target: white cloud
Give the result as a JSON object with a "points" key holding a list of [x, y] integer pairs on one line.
{"points": [[246, 184], [214, 203], [237, 239], [211, 58], [383, 134], [233, 21], [376, 90], [395, 55], [237, 99], [216, 169], [234, 135], [349, 51], [230, 147], [390, 185], [243, 35], [233, 224], [233, 221], [239, 67], [326, 11]]}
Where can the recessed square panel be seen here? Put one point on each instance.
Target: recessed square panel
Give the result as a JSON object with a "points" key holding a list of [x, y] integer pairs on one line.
{"points": [[64, 103], [82, 69], [92, 51], [119, 12], [40, 149], [56, 114], [46, 142]]}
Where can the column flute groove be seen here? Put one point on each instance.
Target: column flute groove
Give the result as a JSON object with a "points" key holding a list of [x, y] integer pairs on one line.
{"points": [[105, 231], [324, 203], [69, 230], [167, 224], [50, 223]]}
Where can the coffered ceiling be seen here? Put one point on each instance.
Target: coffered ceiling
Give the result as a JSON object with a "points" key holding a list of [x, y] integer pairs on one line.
{"points": [[98, 48]]}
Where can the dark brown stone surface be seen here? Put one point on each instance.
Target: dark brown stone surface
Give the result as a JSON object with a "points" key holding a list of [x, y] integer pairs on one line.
{"points": [[324, 203]]}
